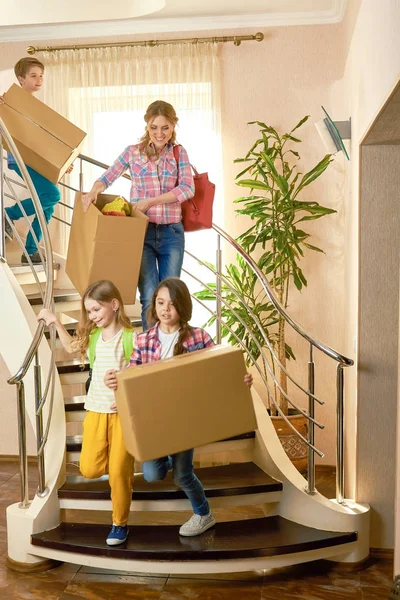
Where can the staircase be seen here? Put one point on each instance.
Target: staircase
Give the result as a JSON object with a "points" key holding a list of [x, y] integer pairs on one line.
{"points": [[267, 514]]}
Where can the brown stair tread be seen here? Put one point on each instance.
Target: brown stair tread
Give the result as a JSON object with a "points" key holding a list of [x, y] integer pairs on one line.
{"points": [[20, 268], [74, 403], [227, 480], [71, 327], [74, 442], [253, 538], [58, 295], [73, 365]]}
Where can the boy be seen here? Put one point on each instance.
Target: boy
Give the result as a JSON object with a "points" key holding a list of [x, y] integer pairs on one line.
{"points": [[29, 72]]}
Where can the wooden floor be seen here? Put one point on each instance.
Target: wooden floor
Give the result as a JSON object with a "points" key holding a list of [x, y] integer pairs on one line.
{"points": [[315, 581]]}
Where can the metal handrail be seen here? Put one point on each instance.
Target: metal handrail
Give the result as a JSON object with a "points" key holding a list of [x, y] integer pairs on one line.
{"points": [[340, 358], [32, 352]]}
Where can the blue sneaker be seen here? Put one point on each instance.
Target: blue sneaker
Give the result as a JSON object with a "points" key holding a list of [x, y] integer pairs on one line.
{"points": [[118, 535]]}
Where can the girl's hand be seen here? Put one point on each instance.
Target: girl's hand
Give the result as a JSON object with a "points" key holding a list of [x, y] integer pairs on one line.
{"points": [[142, 205], [88, 199], [47, 316], [70, 169], [248, 379], [113, 407], [110, 379]]}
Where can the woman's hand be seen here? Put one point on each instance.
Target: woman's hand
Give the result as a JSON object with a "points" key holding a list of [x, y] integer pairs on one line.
{"points": [[47, 316], [88, 199], [114, 407], [110, 379], [248, 379], [142, 205], [70, 169]]}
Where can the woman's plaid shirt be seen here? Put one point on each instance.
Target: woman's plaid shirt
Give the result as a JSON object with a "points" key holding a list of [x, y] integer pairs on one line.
{"points": [[147, 347], [153, 178]]}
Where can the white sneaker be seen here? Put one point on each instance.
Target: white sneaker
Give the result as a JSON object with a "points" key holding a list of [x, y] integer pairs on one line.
{"points": [[197, 524]]}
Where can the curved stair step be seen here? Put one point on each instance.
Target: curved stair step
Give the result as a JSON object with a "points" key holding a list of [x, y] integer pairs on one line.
{"points": [[254, 538], [74, 365], [59, 296], [226, 480], [74, 442], [75, 403]]}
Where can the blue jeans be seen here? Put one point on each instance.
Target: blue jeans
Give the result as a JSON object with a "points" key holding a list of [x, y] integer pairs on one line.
{"points": [[163, 250], [184, 477], [48, 194]]}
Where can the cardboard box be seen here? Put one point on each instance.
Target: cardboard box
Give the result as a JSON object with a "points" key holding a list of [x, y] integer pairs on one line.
{"points": [[47, 142], [105, 247], [183, 402]]}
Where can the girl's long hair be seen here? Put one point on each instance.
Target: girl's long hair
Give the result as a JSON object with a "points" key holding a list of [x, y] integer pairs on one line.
{"points": [[182, 302], [104, 292], [157, 109]]}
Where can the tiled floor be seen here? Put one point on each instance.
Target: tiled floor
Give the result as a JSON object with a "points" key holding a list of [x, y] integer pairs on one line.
{"points": [[314, 581]]}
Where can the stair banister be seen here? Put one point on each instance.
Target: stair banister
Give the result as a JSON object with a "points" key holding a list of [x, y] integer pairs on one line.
{"points": [[32, 351]]}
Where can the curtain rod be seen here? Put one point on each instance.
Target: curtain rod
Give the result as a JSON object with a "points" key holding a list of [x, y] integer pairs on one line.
{"points": [[236, 39]]}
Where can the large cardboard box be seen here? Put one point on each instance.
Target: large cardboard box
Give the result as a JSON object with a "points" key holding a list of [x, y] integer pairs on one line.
{"points": [[183, 402], [47, 142], [105, 247]]}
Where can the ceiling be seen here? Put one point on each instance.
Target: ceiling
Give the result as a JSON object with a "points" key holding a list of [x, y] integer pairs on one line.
{"points": [[24, 20]]}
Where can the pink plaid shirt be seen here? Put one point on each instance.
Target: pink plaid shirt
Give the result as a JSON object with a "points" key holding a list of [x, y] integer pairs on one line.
{"points": [[153, 178], [147, 346]]}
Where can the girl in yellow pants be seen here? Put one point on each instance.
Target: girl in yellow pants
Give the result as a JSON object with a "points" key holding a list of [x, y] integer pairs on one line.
{"points": [[105, 333]]}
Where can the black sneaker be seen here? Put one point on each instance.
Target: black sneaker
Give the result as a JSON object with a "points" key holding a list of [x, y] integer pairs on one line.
{"points": [[35, 259], [8, 230]]}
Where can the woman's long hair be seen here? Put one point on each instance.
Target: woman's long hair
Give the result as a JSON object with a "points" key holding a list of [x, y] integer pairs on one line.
{"points": [[104, 292], [157, 109], [182, 302]]}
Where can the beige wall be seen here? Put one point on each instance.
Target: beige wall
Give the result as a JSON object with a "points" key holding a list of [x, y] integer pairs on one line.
{"points": [[372, 70], [8, 417]]}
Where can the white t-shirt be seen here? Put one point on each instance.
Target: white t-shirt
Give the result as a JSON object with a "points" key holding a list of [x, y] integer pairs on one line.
{"points": [[167, 341], [109, 355]]}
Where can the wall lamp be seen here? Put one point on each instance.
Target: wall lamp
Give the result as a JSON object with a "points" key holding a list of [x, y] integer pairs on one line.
{"points": [[333, 133]]}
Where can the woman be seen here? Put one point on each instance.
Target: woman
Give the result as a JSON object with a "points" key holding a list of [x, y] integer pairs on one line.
{"points": [[159, 186]]}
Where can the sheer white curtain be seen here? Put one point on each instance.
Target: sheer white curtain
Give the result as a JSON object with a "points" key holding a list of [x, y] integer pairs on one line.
{"points": [[106, 92]]}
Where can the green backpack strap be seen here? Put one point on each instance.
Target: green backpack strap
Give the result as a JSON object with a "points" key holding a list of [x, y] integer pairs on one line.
{"points": [[93, 337], [127, 343]]}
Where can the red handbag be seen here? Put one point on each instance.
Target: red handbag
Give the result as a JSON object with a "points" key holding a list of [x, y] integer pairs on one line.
{"points": [[197, 211]]}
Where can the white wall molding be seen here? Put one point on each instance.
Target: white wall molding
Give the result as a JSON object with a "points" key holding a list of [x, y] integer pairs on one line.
{"points": [[151, 26]]}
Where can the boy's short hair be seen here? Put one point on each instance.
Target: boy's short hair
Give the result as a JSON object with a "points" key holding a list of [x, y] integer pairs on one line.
{"points": [[24, 64]]}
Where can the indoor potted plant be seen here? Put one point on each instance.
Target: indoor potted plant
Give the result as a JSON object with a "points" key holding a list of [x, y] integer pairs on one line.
{"points": [[277, 242]]}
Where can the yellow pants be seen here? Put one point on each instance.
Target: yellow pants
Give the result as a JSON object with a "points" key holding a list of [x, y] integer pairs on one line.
{"points": [[103, 451]]}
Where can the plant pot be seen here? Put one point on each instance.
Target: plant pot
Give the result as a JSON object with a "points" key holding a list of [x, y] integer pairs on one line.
{"points": [[294, 447]]}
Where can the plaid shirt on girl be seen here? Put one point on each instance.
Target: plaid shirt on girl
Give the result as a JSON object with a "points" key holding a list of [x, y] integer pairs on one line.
{"points": [[153, 178], [147, 347]]}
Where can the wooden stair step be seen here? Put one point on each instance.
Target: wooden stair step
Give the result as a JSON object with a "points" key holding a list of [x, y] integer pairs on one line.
{"points": [[74, 442], [226, 480], [58, 296], [73, 365], [22, 269], [74, 403], [253, 538]]}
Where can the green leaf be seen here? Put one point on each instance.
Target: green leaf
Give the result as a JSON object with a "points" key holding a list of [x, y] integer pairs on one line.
{"points": [[244, 171], [297, 281], [311, 247], [300, 123], [253, 184], [287, 136]]}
